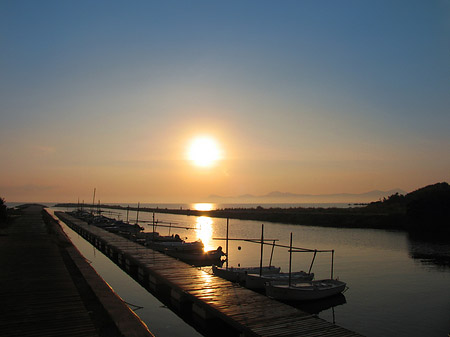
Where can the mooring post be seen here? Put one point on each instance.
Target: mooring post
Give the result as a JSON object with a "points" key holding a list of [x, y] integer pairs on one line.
{"points": [[226, 247], [290, 260], [332, 263], [262, 249], [137, 214]]}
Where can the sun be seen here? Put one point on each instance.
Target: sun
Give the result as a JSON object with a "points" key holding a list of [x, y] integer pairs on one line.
{"points": [[204, 151]]}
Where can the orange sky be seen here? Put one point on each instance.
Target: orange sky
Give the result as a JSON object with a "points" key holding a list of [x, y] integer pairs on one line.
{"points": [[300, 99]]}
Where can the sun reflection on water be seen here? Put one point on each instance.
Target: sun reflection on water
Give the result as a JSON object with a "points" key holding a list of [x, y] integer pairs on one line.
{"points": [[204, 231]]}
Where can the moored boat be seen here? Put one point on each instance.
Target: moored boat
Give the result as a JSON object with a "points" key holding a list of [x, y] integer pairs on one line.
{"points": [[256, 281], [237, 274], [182, 246], [304, 291], [199, 258]]}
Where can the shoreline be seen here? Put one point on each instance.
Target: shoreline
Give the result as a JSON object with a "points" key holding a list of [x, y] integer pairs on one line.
{"points": [[324, 217]]}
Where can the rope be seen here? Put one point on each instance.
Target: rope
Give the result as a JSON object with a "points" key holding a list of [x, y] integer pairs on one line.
{"points": [[135, 307]]}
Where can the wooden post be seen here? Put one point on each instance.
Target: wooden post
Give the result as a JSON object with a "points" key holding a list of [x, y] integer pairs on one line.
{"points": [[262, 249], [137, 214], [290, 261], [332, 263], [153, 225], [128, 210], [226, 248]]}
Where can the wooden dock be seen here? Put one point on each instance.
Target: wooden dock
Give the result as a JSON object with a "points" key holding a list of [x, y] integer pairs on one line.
{"points": [[48, 289], [207, 297]]}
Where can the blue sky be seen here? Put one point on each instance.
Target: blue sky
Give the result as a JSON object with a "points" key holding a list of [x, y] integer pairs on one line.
{"points": [[303, 96]]}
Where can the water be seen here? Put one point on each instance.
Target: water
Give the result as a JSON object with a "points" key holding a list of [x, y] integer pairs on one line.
{"points": [[398, 285], [160, 320]]}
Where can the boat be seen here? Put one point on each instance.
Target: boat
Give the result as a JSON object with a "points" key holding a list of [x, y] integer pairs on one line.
{"points": [[190, 252], [237, 274], [256, 281], [304, 291], [180, 246], [199, 258]]}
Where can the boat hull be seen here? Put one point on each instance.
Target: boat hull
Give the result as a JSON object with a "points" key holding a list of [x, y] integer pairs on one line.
{"points": [[256, 281], [198, 259], [238, 274], [306, 291]]}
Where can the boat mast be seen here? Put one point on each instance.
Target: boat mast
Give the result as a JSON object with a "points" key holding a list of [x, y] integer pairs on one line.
{"points": [[93, 202], [271, 254], [312, 262]]}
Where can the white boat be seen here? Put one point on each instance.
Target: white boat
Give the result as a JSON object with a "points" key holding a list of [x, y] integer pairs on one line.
{"points": [[304, 291], [256, 281], [237, 274]]}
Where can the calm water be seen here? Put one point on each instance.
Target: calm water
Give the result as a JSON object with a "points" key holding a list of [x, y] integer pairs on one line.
{"points": [[398, 286]]}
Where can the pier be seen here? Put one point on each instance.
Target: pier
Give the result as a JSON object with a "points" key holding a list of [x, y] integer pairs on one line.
{"points": [[48, 289], [208, 299]]}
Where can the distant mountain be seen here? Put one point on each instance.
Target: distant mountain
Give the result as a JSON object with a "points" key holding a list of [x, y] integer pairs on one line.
{"points": [[287, 197]]}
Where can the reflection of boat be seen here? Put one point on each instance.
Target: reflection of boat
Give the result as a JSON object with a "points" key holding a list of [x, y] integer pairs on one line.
{"points": [[238, 274], [315, 307], [305, 291], [256, 281]]}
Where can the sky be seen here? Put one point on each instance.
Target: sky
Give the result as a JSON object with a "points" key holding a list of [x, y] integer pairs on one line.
{"points": [[315, 97]]}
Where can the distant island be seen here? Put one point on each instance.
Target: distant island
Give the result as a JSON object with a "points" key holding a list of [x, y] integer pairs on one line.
{"points": [[426, 209], [286, 197]]}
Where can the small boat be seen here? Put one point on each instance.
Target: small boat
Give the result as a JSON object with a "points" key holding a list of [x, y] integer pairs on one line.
{"points": [[256, 281], [190, 252], [304, 291], [199, 258], [237, 274], [181, 246]]}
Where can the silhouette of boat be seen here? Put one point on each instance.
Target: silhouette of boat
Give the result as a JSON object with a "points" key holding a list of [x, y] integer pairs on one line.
{"points": [[256, 281], [238, 274], [305, 291]]}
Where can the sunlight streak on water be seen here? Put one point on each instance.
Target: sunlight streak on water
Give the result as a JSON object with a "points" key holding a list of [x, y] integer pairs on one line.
{"points": [[204, 231]]}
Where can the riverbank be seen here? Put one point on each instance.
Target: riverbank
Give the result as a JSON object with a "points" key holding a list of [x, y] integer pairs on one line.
{"points": [[327, 217]]}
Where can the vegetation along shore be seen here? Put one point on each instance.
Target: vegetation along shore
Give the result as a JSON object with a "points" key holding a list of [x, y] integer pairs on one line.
{"points": [[426, 209]]}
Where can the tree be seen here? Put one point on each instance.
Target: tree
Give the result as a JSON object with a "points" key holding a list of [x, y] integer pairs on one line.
{"points": [[3, 211]]}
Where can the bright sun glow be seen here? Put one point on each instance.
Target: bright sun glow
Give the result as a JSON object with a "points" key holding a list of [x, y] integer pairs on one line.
{"points": [[204, 151], [204, 206]]}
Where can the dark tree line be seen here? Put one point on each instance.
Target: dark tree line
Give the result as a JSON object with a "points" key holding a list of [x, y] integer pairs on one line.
{"points": [[3, 211]]}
